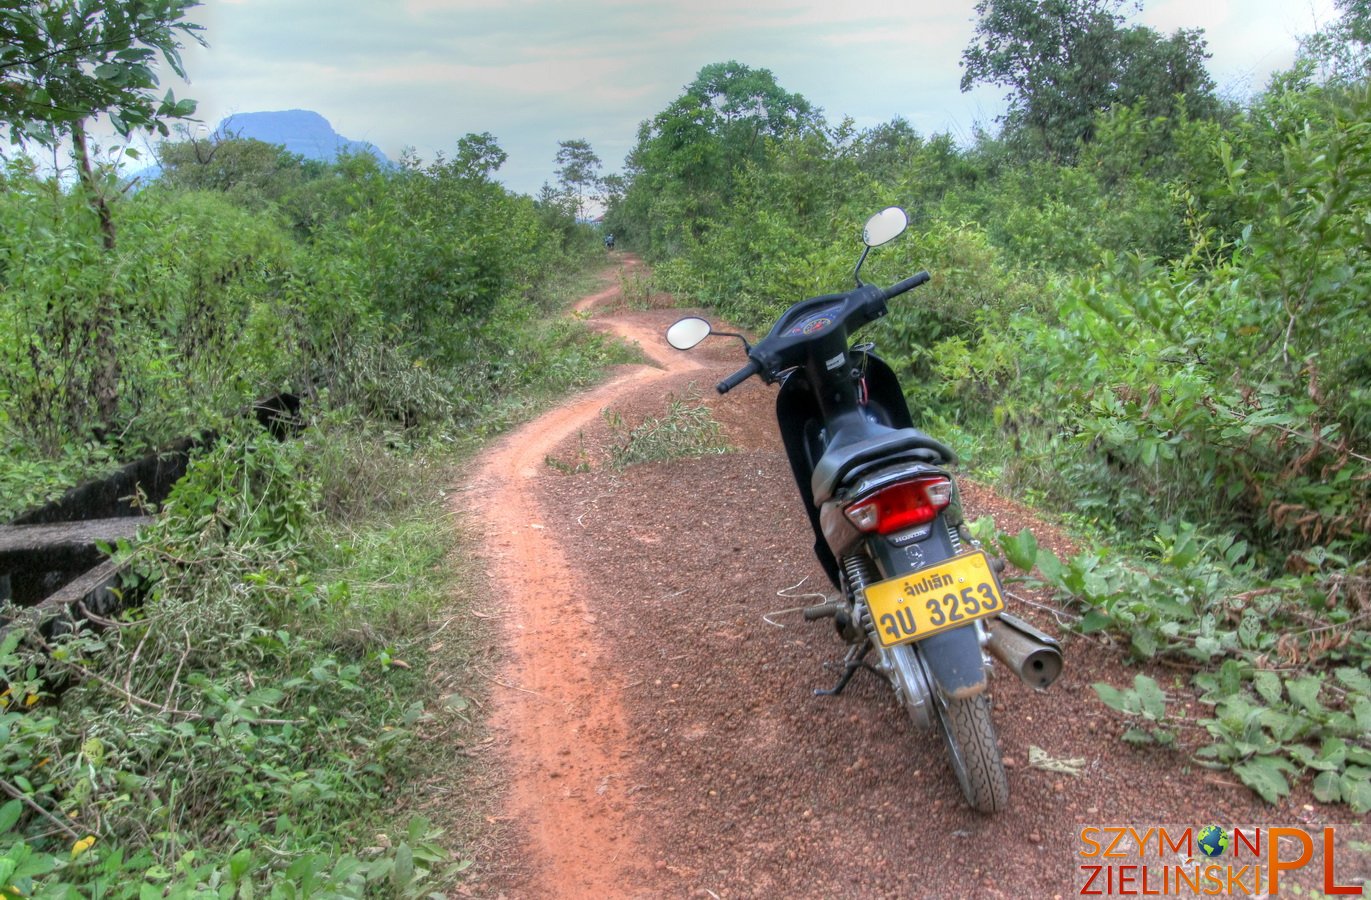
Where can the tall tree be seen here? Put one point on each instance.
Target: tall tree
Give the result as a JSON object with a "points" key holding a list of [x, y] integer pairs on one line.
{"points": [[65, 61], [578, 172], [1343, 49], [688, 156], [1356, 18], [479, 155], [1065, 61]]}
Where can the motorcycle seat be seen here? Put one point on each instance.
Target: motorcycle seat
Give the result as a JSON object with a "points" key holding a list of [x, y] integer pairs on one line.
{"points": [[892, 445]]}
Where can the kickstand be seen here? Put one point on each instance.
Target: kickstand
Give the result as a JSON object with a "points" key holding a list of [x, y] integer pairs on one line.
{"points": [[854, 661]]}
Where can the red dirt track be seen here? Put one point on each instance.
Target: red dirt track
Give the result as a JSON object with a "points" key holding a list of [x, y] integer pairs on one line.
{"points": [[655, 722]]}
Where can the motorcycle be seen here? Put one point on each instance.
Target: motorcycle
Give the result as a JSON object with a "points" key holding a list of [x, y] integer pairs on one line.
{"points": [[914, 586]]}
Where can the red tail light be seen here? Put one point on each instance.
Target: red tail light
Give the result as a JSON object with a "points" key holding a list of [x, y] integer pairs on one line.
{"points": [[902, 505]]}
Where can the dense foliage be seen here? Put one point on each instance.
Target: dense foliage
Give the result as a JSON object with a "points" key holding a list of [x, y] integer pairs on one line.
{"points": [[1149, 316], [62, 61], [250, 724], [1066, 61], [1147, 313]]}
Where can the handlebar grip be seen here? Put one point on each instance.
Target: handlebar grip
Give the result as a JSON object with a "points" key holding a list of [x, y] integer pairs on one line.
{"points": [[738, 377], [822, 611], [908, 284]]}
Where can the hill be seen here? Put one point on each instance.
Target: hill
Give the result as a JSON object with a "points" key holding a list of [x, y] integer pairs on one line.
{"points": [[300, 131]]}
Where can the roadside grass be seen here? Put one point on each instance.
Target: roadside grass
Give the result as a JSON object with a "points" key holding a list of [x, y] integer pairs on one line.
{"points": [[687, 429], [291, 710], [637, 288]]}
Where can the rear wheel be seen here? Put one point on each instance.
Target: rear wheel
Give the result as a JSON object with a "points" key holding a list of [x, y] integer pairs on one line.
{"points": [[975, 754]]}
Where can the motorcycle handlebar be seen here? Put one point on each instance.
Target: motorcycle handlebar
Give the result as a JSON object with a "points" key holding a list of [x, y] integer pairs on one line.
{"points": [[753, 367], [908, 284], [738, 377]]}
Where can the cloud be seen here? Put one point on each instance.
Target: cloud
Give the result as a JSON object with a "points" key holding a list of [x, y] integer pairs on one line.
{"points": [[422, 73]]}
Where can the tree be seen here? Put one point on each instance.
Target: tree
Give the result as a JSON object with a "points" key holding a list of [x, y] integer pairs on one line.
{"points": [[1356, 19], [719, 123], [253, 173], [479, 155], [578, 172], [63, 61], [689, 156], [1343, 50], [1065, 61]]}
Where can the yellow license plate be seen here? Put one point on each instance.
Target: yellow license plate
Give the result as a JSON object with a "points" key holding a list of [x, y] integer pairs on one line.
{"points": [[950, 594]]}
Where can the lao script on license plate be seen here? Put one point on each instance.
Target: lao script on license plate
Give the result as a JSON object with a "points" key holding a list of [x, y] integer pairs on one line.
{"points": [[950, 594]]}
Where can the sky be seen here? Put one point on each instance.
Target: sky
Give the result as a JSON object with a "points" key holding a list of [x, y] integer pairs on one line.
{"points": [[422, 73]]}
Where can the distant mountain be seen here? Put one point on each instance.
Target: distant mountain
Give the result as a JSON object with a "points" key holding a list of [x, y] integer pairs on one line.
{"points": [[300, 131]]}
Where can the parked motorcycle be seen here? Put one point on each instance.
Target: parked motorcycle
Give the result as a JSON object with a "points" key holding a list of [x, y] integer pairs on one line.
{"points": [[914, 586]]}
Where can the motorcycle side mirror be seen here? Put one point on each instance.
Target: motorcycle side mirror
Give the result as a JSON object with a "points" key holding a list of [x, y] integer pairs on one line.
{"points": [[881, 228], [687, 332], [885, 226]]}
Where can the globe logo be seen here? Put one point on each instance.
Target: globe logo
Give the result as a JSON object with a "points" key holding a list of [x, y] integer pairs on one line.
{"points": [[1213, 840]]}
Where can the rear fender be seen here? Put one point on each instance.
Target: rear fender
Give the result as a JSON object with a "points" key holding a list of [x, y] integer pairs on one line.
{"points": [[954, 661]]}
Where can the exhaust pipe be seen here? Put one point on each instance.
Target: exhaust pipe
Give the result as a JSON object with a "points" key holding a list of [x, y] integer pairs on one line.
{"points": [[1035, 657]]}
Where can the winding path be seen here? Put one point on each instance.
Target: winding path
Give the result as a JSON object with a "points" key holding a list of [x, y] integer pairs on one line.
{"points": [[561, 718], [654, 717]]}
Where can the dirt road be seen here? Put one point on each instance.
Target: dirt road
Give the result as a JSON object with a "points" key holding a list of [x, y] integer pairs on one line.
{"points": [[656, 724]]}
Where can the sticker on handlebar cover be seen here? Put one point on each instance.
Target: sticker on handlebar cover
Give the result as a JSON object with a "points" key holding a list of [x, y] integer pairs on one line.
{"points": [[836, 362]]}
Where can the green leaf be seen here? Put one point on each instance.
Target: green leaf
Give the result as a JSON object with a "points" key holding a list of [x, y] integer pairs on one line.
{"points": [[1266, 776], [1327, 787], [1307, 757], [1094, 620], [240, 864], [1361, 711], [263, 697], [1052, 569], [404, 867], [1268, 684], [1151, 696], [9, 814], [1355, 787], [1230, 677], [1333, 751], [1022, 550], [1305, 692], [1145, 643], [1111, 696], [1354, 679]]}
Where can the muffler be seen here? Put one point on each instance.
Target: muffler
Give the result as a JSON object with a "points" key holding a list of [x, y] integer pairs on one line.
{"points": [[1035, 657]]}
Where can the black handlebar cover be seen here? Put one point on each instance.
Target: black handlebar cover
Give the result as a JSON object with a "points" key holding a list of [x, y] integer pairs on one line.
{"points": [[783, 348]]}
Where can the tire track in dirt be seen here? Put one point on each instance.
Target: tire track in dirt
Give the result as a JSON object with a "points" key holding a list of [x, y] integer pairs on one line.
{"points": [[558, 717], [656, 718]]}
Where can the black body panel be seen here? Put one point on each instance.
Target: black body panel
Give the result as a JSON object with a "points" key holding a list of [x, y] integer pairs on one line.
{"points": [[801, 422]]}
